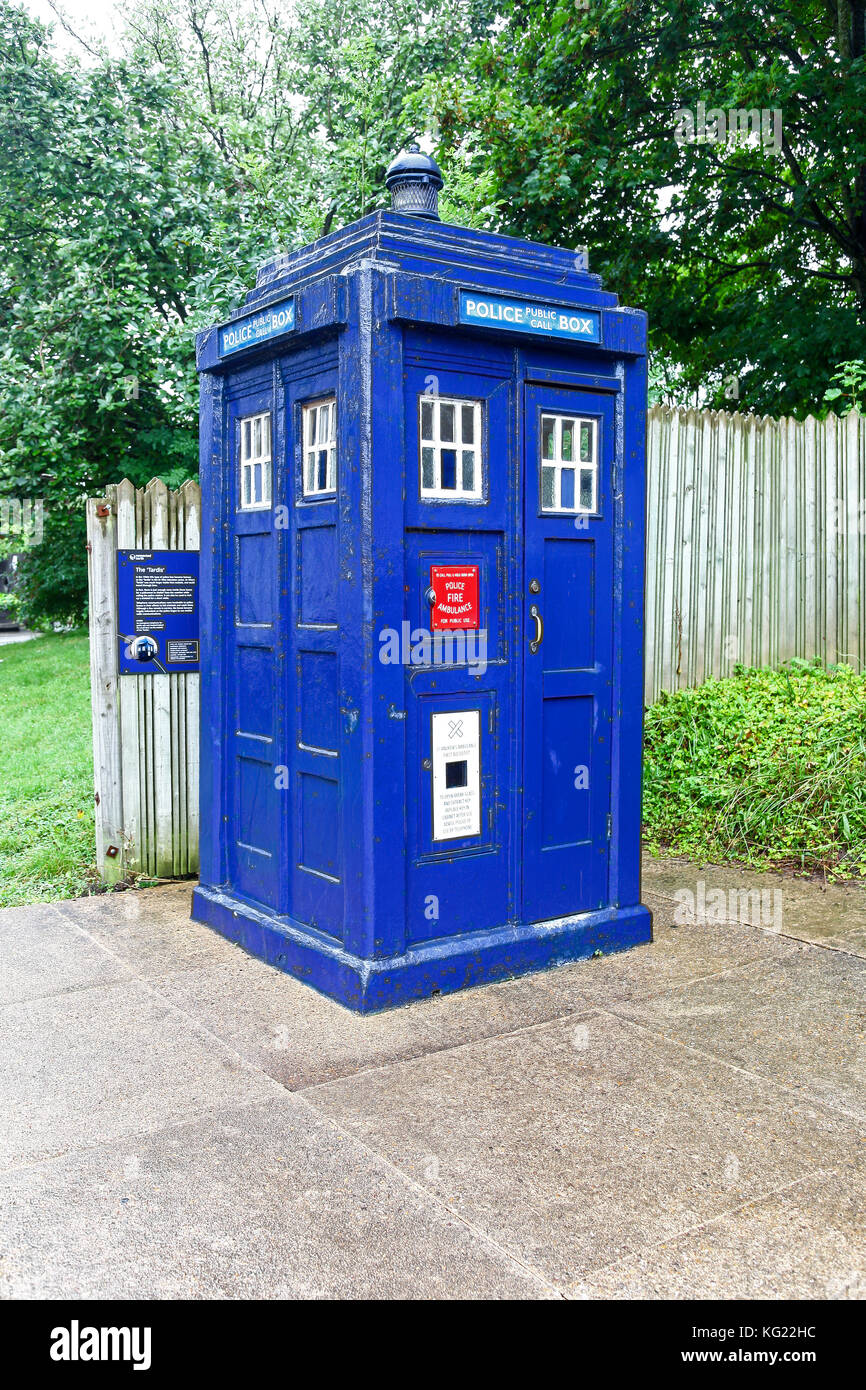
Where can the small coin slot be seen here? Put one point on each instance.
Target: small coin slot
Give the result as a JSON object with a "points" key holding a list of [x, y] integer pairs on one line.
{"points": [[456, 774]]}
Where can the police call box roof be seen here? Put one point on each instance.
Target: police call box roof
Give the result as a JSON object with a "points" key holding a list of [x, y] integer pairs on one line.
{"points": [[439, 260]]}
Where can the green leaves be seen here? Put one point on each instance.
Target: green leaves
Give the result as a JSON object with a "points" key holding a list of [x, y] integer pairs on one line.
{"points": [[139, 196], [749, 255], [766, 767]]}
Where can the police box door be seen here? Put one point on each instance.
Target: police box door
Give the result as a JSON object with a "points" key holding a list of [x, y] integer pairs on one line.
{"points": [[568, 609]]}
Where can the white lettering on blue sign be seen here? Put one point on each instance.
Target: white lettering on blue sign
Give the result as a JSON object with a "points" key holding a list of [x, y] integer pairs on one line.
{"points": [[525, 316], [257, 328]]}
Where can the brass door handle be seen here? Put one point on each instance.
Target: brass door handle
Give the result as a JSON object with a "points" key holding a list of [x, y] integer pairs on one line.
{"points": [[539, 628]]}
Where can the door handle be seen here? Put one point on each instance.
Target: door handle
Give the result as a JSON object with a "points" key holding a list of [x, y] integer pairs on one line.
{"points": [[539, 628]]}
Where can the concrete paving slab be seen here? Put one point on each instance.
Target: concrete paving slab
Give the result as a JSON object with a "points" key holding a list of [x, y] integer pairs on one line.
{"points": [[581, 1128], [798, 1020], [807, 1241], [149, 929], [676, 956], [88, 1066], [41, 953], [299, 1037], [810, 910], [264, 1201], [577, 1142], [302, 1038]]}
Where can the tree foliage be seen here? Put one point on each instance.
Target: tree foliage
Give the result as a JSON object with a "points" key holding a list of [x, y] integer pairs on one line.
{"points": [[749, 254], [138, 196], [139, 193]]}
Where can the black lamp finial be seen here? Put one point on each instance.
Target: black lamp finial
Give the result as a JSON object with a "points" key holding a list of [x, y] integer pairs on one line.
{"points": [[414, 180]]}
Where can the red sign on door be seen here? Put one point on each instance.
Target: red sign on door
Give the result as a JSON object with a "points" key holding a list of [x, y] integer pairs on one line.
{"points": [[456, 590]]}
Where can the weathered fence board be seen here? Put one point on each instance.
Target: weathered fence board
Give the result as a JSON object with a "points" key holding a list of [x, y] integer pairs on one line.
{"points": [[145, 728], [756, 543]]}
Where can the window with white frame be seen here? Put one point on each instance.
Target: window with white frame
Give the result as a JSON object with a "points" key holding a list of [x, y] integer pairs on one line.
{"points": [[569, 464], [255, 479], [320, 447], [451, 464]]}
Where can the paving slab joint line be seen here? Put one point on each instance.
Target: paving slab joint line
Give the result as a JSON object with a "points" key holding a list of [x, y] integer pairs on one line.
{"points": [[71, 989], [161, 1127], [567, 1016], [767, 931], [744, 1071], [300, 1100], [435, 1200], [711, 1221]]}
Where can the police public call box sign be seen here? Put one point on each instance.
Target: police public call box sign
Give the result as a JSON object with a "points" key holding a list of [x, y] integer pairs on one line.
{"points": [[529, 316], [257, 328], [157, 611]]}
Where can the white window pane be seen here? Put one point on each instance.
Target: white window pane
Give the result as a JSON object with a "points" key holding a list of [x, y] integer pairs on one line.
{"points": [[587, 489], [586, 441], [548, 437], [567, 447], [446, 422], [246, 437], [468, 413], [548, 476], [426, 419], [468, 478], [428, 475]]}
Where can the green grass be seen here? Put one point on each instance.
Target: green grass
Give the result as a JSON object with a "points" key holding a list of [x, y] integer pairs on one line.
{"points": [[46, 770], [767, 768]]}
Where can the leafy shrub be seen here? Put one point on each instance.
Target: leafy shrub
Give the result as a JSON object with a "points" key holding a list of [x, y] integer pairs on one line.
{"points": [[767, 767]]}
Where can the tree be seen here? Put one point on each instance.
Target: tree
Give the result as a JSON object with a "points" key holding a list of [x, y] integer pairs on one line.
{"points": [[98, 205], [748, 253], [139, 195]]}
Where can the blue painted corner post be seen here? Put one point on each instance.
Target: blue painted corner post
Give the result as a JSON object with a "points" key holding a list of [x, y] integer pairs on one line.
{"points": [[423, 482]]}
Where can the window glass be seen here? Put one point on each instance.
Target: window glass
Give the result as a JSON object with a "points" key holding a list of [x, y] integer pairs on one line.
{"points": [[255, 462], [319, 428], [565, 487], [448, 472]]}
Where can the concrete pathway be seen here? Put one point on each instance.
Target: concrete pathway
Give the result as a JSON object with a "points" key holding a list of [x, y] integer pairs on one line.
{"points": [[177, 1120]]}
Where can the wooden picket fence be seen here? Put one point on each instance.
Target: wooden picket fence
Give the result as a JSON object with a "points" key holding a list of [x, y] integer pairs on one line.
{"points": [[756, 543], [145, 728], [756, 553]]}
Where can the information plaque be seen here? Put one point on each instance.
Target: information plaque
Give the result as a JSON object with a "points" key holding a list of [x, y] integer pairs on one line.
{"points": [[157, 619]]}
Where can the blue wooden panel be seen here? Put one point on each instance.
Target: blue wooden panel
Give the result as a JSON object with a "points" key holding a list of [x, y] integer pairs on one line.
{"points": [[256, 578], [319, 700], [320, 837], [254, 691], [317, 574], [567, 746], [568, 571]]}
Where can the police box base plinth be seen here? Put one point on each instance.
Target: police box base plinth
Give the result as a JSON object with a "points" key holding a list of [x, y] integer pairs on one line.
{"points": [[436, 967]]}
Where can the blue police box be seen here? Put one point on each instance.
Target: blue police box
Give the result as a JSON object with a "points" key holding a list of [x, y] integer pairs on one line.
{"points": [[422, 583]]}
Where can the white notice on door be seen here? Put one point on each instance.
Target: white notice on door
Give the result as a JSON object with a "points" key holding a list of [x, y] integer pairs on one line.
{"points": [[456, 741]]}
